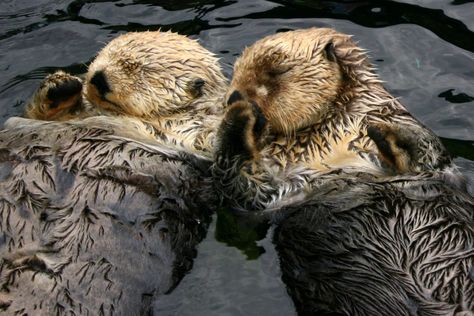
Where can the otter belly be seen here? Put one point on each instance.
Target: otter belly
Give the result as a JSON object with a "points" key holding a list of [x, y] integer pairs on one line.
{"points": [[94, 221], [370, 248]]}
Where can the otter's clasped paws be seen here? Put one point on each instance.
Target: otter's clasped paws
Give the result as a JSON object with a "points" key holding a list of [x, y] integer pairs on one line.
{"points": [[58, 95], [241, 132]]}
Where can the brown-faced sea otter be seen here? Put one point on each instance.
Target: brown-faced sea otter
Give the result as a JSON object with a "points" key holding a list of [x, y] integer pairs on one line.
{"points": [[372, 216], [310, 100]]}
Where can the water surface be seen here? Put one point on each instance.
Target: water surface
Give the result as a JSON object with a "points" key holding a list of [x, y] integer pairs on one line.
{"points": [[424, 51]]}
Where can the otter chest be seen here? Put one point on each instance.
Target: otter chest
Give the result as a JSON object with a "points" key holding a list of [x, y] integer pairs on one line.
{"points": [[322, 151]]}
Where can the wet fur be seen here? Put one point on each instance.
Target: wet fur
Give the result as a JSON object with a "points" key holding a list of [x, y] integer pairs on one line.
{"points": [[107, 224], [162, 78], [318, 110], [100, 213], [403, 246], [353, 238]]}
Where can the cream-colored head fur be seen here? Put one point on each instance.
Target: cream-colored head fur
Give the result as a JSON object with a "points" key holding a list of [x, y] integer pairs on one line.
{"points": [[154, 74], [290, 76], [162, 79], [147, 75]]}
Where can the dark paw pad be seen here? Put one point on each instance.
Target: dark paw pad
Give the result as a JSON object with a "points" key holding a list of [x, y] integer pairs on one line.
{"points": [[63, 91], [397, 146], [380, 137], [260, 120], [241, 129]]}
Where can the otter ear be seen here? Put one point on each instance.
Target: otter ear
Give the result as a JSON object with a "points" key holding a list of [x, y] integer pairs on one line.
{"points": [[196, 87], [330, 52]]}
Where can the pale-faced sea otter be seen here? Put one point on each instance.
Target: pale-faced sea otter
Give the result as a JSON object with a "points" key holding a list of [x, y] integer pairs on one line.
{"points": [[372, 216], [100, 214], [166, 80]]}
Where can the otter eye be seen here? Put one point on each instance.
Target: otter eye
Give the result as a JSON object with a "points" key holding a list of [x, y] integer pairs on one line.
{"points": [[278, 71], [329, 52]]}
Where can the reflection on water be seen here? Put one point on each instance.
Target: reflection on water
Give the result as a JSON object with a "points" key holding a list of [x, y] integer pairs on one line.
{"points": [[423, 53]]}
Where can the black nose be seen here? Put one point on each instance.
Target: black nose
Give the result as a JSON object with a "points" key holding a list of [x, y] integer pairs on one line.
{"points": [[100, 82], [234, 97]]}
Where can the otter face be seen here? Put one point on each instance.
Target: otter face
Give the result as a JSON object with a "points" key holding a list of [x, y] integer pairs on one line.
{"points": [[152, 74], [294, 77]]}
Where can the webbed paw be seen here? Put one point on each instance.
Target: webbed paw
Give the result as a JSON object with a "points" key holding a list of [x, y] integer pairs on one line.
{"points": [[397, 146], [241, 131], [57, 97]]}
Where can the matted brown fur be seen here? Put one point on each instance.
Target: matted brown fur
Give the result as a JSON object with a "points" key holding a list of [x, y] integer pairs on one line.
{"points": [[311, 138], [161, 78], [319, 94]]}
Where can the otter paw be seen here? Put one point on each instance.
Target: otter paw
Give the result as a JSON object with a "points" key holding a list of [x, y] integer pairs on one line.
{"points": [[58, 93], [241, 130], [396, 146]]}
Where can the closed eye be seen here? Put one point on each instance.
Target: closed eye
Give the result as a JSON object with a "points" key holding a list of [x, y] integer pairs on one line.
{"points": [[278, 71]]}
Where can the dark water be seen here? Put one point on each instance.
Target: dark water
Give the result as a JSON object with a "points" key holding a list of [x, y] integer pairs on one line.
{"points": [[424, 51]]}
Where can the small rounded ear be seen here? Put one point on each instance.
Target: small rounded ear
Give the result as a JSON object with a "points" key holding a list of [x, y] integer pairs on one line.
{"points": [[329, 52], [196, 87]]}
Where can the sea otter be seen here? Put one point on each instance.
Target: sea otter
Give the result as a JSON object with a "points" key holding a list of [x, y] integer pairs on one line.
{"points": [[372, 217], [309, 99], [101, 213], [164, 79]]}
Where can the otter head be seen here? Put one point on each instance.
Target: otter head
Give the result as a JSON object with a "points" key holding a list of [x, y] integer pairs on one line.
{"points": [[154, 74], [297, 78]]}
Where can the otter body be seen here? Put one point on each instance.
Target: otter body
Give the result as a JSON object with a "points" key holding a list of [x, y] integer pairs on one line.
{"points": [[100, 213], [307, 99], [403, 246], [94, 222], [372, 216]]}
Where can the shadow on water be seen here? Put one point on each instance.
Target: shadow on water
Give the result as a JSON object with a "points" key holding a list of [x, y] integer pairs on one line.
{"points": [[459, 148], [366, 13], [241, 232], [189, 27], [449, 96]]}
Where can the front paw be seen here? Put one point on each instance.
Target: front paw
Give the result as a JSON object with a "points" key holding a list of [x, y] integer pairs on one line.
{"points": [[241, 131], [58, 95], [397, 146]]}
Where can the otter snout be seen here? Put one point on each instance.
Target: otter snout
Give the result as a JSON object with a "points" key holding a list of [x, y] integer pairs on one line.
{"points": [[99, 81]]}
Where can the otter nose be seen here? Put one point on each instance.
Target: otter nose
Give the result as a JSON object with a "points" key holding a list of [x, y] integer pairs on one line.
{"points": [[100, 82], [234, 97]]}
